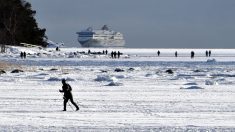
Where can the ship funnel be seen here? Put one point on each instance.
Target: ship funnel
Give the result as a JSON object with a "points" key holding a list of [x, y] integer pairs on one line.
{"points": [[105, 27]]}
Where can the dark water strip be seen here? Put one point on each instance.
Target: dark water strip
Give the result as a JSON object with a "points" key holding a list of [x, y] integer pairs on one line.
{"points": [[111, 63]]}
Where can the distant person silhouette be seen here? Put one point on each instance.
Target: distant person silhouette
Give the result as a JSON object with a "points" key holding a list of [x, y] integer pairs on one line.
{"points": [[115, 54], [112, 54], [24, 54], [119, 53], [206, 53], [209, 53], [192, 54], [21, 55], [158, 53], [66, 89], [176, 54]]}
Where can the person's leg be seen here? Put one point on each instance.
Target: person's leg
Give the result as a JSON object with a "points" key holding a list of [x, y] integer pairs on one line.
{"points": [[71, 99], [65, 102]]}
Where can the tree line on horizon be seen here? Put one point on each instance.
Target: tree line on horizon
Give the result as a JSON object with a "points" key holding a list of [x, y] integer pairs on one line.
{"points": [[18, 25]]}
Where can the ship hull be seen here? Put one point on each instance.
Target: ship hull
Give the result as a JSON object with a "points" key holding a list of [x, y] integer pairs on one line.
{"points": [[102, 43]]}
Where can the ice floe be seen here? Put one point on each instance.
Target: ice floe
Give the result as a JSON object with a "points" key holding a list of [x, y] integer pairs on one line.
{"points": [[192, 87], [211, 82], [211, 60]]}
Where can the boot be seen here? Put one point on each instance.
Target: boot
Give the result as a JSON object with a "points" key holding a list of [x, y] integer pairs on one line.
{"points": [[77, 108]]}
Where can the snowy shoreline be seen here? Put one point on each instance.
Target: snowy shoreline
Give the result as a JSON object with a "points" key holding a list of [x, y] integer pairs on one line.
{"points": [[133, 93]]}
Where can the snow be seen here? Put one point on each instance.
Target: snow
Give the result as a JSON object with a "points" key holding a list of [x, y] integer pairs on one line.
{"points": [[198, 96]]}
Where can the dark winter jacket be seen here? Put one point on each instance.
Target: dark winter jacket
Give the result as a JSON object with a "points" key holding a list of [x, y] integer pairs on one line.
{"points": [[66, 88]]}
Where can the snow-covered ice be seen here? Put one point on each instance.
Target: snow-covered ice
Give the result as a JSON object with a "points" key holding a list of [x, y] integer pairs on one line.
{"points": [[198, 96]]}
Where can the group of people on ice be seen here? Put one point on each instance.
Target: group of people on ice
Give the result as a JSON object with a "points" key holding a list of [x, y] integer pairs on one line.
{"points": [[208, 53], [192, 54], [115, 54], [22, 55]]}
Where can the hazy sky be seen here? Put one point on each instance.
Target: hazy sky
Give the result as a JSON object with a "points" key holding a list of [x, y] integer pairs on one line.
{"points": [[144, 23]]}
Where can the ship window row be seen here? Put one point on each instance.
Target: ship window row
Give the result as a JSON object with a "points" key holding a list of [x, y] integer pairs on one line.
{"points": [[102, 36], [98, 36], [85, 35], [106, 36]]}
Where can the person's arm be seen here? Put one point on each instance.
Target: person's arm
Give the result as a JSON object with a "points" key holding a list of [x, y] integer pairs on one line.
{"points": [[61, 90]]}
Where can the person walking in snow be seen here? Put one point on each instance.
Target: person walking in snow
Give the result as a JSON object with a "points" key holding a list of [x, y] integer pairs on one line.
{"points": [[24, 54], [176, 54], [21, 55], [192, 54], [112, 54], [118, 53], [206, 53], [66, 89], [158, 53], [115, 54]]}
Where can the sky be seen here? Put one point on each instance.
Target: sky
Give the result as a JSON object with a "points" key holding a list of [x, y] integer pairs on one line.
{"points": [[144, 23]]}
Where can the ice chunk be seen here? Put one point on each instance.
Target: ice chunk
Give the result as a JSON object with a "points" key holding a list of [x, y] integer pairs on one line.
{"points": [[211, 60], [17, 71], [119, 70], [120, 76], [211, 82], [192, 83], [101, 78], [54, 79], [148, 75], [59, 79], [114, 82], [2, 72], [192, 87], [69, 79]]}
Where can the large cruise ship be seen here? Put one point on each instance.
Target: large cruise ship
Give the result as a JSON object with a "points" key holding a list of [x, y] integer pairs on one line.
{"points": [[103, 37]]}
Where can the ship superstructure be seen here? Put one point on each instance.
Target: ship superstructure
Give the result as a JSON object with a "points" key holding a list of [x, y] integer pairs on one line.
{"points": [[103, 37]]}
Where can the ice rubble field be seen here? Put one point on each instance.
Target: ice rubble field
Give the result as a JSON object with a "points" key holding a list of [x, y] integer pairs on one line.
{"points": [[198, 96]]}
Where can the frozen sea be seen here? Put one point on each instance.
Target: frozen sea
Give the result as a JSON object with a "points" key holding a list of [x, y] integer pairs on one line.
{"points": [[132, 93]]}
